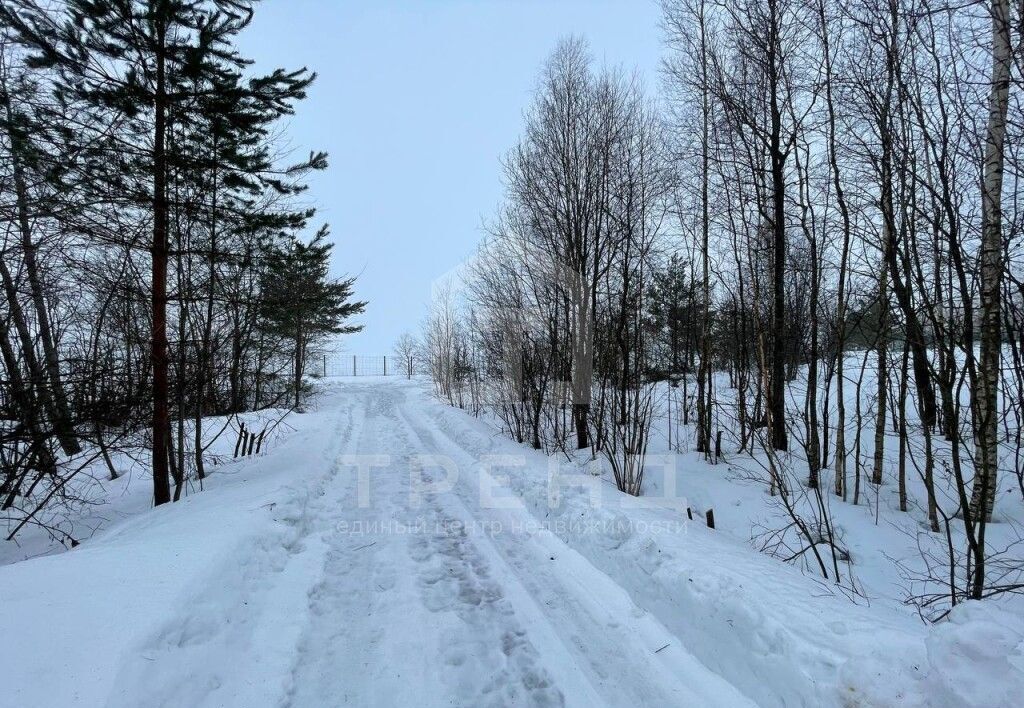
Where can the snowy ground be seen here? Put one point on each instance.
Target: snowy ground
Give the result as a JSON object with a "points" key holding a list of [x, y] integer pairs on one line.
{"points": [[392, 551], [885, 544]]}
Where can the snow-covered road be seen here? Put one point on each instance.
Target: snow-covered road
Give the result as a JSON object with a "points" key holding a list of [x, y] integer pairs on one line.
{"points": [[429, 598], [392, 552], [358, 564]]}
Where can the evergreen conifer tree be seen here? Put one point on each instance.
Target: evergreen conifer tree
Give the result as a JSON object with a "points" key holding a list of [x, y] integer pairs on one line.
{"points": [[301, 303], [151, 66]]}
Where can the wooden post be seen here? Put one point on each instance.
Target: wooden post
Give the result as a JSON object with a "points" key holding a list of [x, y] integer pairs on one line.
{"points": [[689, 513], [353, 364], [259, 440], [238, 442], [711, 518], [385, 364], [252, 442], [325, 365]]}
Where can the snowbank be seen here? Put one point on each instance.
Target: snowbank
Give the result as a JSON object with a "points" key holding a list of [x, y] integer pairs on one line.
{"points": [[95, 625]]}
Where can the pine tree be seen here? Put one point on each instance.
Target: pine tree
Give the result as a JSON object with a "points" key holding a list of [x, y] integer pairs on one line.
{"points": [[672, 316], [148, 66], [300, 302]]}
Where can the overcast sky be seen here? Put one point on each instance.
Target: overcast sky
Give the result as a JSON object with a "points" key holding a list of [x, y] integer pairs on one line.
{"points": [[416, 102]]}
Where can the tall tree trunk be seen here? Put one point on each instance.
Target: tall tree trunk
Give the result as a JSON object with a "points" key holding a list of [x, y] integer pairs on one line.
{"points": [[161, 414], [812, 443], [882, 377], [777, 390], [704, 373], [844, 212], [178, 469], [583, 364], [986, 411], [986, 427], [297, 364], [777, 373]]}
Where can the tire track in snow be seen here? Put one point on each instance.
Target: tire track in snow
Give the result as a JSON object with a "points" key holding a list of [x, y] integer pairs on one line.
{"points": [[613, 641], [354, 650], [491, 658], [410, 618]]}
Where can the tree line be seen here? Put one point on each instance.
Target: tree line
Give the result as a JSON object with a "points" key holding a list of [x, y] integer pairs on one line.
{"points": [[812, 230], [154, 269]]}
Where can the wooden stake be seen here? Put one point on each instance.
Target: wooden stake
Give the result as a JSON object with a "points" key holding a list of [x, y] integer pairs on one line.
{"points": [[238, 443]]}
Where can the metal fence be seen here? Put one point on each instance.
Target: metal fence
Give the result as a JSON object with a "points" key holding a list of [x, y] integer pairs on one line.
{"points": [[356, 365]]}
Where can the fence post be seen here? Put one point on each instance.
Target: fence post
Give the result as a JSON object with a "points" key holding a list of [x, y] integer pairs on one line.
{"points": [[241, 435], [385, 364], [325, 365], [353, 364]]}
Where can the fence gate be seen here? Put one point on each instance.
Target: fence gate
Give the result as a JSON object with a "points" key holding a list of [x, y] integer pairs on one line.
{"points": [[357, 365]]}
